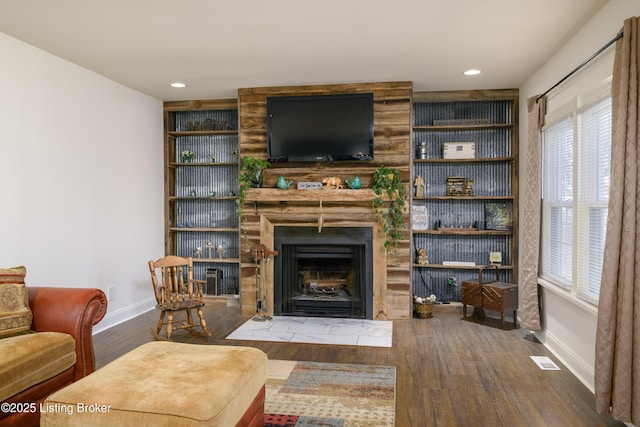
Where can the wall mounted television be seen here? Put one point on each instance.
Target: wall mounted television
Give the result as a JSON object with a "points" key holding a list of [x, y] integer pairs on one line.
{"points": [[320, 128]]}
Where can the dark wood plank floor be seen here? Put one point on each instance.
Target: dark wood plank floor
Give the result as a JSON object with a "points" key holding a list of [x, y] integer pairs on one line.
{"points": [[450, 372]]}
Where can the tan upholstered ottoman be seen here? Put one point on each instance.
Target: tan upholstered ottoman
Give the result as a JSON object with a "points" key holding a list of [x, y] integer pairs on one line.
{"points": [[167, 384]]}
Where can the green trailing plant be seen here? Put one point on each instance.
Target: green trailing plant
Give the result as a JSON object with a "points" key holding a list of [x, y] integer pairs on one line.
{"points": [[250, 176], [387, 185]]}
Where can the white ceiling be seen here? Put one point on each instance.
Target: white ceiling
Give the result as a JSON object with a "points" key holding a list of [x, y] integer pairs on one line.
{"points": [[218, 46]]}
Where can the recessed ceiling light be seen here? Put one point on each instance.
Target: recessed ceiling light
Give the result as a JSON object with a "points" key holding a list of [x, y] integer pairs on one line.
{"points": [[178, 84], [472, 72]]}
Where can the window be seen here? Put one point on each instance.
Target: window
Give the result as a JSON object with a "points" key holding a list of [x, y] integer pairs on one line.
{"points": [[557, 203], [575, 194]]}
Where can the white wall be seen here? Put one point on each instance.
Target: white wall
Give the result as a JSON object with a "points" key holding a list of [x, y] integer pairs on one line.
{"points": [[81, 179], [569, 325]]}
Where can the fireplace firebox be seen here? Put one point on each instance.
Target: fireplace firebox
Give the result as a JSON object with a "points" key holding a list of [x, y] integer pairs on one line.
{"points": [[323, 274]]}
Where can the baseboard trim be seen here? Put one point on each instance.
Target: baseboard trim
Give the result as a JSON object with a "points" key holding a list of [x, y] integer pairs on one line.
{"points": [[123, 314], [571, 360]]}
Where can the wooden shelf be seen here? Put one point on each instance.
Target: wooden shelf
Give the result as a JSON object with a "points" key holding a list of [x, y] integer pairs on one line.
{"points": [[218, 260], [460, 267], [343, 195], [176, 164], [467, 232], [212, 229], [201, 132], [464, 127], [449, 198], [474, 160], [174, 198]]}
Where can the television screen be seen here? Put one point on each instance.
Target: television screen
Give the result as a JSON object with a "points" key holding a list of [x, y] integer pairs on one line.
{"points": [[320, 128]]}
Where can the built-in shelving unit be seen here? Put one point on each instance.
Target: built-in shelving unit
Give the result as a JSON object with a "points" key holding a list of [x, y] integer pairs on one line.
{"points": [[201, 191], [459, 233]]}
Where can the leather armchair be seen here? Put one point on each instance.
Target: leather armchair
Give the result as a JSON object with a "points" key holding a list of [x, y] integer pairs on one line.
{"points": [[70, 310]]}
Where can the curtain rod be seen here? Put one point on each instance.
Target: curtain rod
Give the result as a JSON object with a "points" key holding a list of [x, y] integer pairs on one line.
{"points": [[602, 49]]}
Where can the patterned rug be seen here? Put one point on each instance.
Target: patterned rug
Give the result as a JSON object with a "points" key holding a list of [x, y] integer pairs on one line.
{"points": [[305, 394]]}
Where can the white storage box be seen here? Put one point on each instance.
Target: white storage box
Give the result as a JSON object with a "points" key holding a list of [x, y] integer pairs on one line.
{"points": [[459, 150]]}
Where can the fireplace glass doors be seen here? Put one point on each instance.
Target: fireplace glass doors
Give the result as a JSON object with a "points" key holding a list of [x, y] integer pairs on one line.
{"points": [[323, 274]]}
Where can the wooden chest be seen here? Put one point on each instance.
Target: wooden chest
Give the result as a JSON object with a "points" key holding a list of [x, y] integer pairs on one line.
{"points": [[471, 293], [502, 297], [490, 294]]}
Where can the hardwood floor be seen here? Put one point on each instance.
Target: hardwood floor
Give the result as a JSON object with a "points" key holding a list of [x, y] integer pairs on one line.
{"points": [[450, 372]]}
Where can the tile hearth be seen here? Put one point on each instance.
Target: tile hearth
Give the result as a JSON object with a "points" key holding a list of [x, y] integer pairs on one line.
{"points": [[317, 330]]}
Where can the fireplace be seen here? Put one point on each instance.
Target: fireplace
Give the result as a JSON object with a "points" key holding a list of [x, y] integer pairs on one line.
{"points": [[323, 274]]}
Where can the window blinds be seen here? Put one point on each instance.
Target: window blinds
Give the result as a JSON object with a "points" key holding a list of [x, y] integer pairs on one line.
{"points": [[557, 203], [594, 144]]}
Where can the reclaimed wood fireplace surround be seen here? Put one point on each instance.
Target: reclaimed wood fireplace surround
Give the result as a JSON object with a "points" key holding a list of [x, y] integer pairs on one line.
{"points": [[269, 207]]}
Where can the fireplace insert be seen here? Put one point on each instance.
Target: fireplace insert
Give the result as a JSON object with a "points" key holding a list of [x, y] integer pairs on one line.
{"points": [[323, 274]]}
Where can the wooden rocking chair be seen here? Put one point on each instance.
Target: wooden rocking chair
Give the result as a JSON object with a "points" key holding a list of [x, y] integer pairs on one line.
{"points": [[177, 291]]}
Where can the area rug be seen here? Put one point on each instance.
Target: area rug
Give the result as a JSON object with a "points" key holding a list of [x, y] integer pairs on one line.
{"points": [[317, 330], [329, 394]]}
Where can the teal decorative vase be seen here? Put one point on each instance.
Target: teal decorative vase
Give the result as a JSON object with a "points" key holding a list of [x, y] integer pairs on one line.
{"points": [[283, 184], [354, 183]]}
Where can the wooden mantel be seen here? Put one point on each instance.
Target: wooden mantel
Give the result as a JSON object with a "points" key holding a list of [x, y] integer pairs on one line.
{"points": [[292, 195]]}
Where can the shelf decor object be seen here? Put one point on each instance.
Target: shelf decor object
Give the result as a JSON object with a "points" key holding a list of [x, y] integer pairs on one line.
{"points": [[461, 122], [498, 216], [418, 182], [459, 150], [251, 173], [495, 258], [208, 125], [422, 152], [354, 184], [422, 257], [283, 183], [419, 218], [387, 182], [187, 156], [424, 308], [459, 186]]}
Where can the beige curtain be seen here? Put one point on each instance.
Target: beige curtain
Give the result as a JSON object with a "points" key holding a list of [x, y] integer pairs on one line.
{"points": [[617, 364], [530, 221]]}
